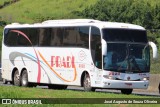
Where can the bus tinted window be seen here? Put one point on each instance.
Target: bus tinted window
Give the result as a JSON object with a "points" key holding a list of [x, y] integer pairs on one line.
{"points": [[44, 36], [22, 40], [95, 37], [67, 36], [96, 47], [70, 36], [125, 35], [10, 38], [33, 36], [20, 37], [76, 36], [57, 36], [83, 39]]}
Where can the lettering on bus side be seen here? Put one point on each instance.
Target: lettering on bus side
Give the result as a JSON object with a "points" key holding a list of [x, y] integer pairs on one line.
{"points": [[63, 62]]}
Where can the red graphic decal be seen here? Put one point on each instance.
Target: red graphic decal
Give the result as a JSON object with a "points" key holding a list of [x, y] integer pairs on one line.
{"points": [[62, 78], [39, 68]]}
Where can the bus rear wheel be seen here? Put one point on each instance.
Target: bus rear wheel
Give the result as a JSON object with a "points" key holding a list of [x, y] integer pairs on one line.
{"points": [[126, 91], [24, 79], [16, 78], [87, 83]]}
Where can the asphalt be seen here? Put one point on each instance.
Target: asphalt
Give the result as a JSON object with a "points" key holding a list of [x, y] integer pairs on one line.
{"points": [[139, 92]]}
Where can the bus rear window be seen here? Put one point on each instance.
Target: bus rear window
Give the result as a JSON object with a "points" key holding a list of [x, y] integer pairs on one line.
{"points": [[124, 35]]}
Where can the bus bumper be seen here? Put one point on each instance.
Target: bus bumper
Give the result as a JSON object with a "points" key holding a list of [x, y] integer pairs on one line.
{"points": [[116, 84]]}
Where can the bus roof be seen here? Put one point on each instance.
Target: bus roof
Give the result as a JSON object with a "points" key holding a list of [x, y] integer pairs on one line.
{"points": [[76, 22]]}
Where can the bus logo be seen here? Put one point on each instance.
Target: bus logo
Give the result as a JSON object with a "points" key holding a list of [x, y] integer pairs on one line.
{"points": [[82, 55], [65, 62], [128, 78]]}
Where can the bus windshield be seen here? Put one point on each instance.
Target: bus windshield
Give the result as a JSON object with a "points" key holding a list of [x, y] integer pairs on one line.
{"points": [[126, 53], [124, 35]]}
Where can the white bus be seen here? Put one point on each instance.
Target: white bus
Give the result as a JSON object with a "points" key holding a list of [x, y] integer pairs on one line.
{"points": [[80, 52]]}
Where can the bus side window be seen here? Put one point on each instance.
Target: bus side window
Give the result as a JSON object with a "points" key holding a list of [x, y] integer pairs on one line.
{"points": [[41, 36], [44, 37], [22, 41], [10, 38], [33, 36], [56, 36], [83, 39], [96, 47], [69, 38]]}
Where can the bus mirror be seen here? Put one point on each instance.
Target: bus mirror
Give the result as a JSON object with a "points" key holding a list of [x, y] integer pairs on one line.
{"points": [[104, 48], [154, 49]]}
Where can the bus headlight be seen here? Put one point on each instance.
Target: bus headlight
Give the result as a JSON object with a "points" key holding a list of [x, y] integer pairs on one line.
{"points": [[108, 77], [111, 78], [146, 78]]}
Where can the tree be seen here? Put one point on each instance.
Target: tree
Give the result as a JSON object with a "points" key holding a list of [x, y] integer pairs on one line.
{"points": [[140, 12]]}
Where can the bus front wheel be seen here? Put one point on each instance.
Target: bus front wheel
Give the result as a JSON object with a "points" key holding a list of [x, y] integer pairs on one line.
{"points": [[126, 91], [16, 78], [87, 83]]}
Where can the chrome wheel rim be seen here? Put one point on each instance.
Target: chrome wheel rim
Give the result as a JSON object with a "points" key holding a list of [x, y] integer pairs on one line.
{"points": [[24, 79], [16, 79]]}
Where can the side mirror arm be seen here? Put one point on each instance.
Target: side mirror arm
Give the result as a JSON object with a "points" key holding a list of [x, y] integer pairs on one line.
{"points": [[154, 49]]}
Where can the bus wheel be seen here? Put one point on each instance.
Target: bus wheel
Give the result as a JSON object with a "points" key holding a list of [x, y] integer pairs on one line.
{"points": [[24, 79], [87, 84], [16, 78], [126, 91], [4, 81]]}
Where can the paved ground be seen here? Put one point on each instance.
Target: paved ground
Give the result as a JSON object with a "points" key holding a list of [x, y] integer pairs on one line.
{"points": [[135, 91]]}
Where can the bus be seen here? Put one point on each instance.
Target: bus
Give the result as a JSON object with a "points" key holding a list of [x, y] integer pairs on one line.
{"points": [[77, 52]]}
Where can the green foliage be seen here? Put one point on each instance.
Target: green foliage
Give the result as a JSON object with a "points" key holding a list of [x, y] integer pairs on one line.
{"points": [[139, 12], [2, 2], [31, 11], [154, 36]]}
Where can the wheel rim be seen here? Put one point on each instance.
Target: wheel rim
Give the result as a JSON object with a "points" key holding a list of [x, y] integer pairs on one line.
{"points": [[16, 78], [87, 83], [24, 79], [4, 81]]}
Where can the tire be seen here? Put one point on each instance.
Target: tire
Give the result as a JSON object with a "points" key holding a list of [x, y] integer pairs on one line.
{"points": [[4, 81], [16, 78], [24, 79], [59, 87], [126, 91], [87, 84]]}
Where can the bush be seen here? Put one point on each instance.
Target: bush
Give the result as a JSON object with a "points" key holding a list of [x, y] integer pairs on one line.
{"points": [[2, 23], [139, 12]]}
